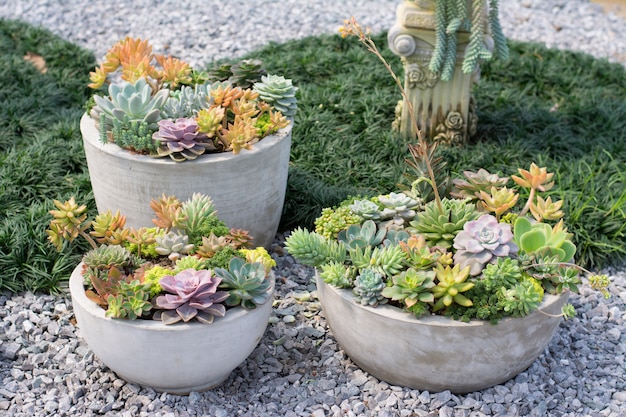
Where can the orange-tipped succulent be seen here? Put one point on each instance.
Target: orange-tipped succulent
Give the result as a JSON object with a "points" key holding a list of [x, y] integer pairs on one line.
{"points": [[535, 179]]}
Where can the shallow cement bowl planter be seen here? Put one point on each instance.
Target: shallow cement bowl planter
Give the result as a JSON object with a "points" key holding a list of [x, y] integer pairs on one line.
{"points": [[177, 358], [437, 353], [248, 189]]}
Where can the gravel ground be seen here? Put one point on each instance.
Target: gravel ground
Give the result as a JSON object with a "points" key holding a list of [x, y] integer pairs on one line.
{"points": [[298, 369]]}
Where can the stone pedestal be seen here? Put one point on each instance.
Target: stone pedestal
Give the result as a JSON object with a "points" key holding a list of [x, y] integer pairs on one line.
{"points": [[443, 108]]}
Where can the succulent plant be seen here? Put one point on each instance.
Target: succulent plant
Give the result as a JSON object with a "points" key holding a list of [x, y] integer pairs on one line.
{"points": [[314, 249], [451, 283], [482, 241], [107, 228], [190, 262], [541, 239], [498, 201], [523, 298], [167, 211], [187, 101], [129, 102], [279, 92], [194, 213], [134, 135], [173, 245], [366, 209], [362, 235], [418, 254], [261, 256], [69, 221], [398, 209], [211, 245], [106, 256], [141, 239], [337, 274], [246, 73], [131, 301], [412, 288], [386, 260], [546, 209], [153, 274], [440, 229], [181, 140], [368, 288], [475, 182], [332, 221], [190, 294], [247, 283], [505, 272]]}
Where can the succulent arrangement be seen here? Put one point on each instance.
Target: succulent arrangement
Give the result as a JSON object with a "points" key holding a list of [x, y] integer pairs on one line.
{"points": [[479, 255], [189, 266], [164, 108], [462, 248]]}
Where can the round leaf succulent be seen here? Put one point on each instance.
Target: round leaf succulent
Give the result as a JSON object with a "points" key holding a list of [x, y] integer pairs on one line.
{"points": [[191, 294], [181, 140], [482, 241], [279, 92]]}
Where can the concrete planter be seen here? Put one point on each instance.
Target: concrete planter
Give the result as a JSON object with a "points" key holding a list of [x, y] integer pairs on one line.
{"points": [[437, 353], [247, 189], [178, 358]]}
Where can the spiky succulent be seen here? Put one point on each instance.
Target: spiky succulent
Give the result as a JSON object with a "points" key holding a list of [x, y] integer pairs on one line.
{"points": [[314, 249], [247, 283], [181, 140], [439, 229], [279, 92], [386, 260], [368, 288], [337, 274], [482, 241], [190, 294], [173, 245], [194, 212]]}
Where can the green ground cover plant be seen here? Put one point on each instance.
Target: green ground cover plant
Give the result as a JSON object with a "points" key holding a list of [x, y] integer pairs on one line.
{"points": [[562, 110]]}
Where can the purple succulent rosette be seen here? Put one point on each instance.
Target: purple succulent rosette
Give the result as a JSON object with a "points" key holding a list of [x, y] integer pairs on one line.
{"points": [[193, 294], [482, 241], [180, 139]]}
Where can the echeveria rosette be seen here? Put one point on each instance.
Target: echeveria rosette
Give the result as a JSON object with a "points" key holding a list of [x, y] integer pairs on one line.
{"points": [[482, 241], [192, 294], [181, 140]]}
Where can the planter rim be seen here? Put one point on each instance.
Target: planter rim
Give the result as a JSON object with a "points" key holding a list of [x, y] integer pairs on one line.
{"points": [[391, 312], [78, 292], [114, 149]]}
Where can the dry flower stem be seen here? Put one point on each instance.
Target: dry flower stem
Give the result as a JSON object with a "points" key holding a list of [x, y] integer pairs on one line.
{"points": [[352, 28]]}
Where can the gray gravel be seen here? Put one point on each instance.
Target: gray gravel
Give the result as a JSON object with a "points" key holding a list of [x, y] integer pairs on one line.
{"points": [[298, 369]]}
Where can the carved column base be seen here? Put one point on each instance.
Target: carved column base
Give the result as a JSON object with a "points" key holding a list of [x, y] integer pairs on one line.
{"points": [[443, 109]]}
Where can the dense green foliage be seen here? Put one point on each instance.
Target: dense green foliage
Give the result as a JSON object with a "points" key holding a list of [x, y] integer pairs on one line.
{"points": [[342, 140], [41, 153]]}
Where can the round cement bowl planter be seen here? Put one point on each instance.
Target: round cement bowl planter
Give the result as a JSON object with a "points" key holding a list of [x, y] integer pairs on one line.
{"points": [[248, 189], [177, 358], [436, 353]]}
